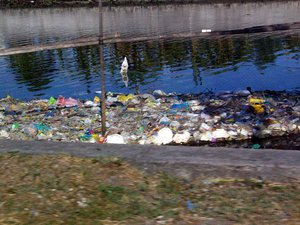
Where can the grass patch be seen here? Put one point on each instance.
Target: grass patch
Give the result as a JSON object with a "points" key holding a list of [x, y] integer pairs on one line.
{"points": [[70, 190]]}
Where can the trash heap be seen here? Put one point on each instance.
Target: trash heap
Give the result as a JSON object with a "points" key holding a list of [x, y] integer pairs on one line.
{"points": [[156, 118]]}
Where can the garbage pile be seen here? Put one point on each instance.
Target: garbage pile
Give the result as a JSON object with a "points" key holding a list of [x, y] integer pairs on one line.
{"points": [[156, 118]]}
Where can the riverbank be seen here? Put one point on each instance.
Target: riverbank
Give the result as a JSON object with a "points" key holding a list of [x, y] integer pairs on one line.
{"points": [[94, 3], [156, 118]]}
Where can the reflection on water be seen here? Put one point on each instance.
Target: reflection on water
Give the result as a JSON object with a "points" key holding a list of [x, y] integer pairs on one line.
{"points": [[193, 65]]}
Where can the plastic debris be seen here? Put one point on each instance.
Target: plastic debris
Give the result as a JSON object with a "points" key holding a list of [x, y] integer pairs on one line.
{"points": [[125, 98], [164, 136], [180, 138], [220, 134], [69, 102], [256, 146], [156, 118], [180, 106], [42, 127], [190, 205], [257, 105], [243, 93], [15, 126], [51, 101], [96, 100], [115, 139], [89, 104], [159, 93], [4, 134], [164, 121]]}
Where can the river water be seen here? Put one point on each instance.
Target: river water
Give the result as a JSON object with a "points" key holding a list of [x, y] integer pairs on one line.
{"points": [[265, 61]]}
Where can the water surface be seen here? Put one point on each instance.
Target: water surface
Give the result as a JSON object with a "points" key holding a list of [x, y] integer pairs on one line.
{"points": [[185, 66], [188, 66]]}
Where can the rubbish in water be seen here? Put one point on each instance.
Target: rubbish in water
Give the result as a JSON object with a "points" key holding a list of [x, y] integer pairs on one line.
{"points": [[180, 106], [243, 93], [180, 138], [257, 105], [258, 109], [164, 121], [51, 101], [41, 127], [255, 101], [15, 126], [89, 104], [96, 100], [256, 146], [69, 102], [115, 139], [125, 98], [4, 134], [156, 118], [159, 93], [164, 136]]}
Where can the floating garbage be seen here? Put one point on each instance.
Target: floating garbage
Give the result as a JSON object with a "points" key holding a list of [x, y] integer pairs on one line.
{"points": [[158, 118], [15, 126], [51, 101], [63, 102], [182, 138], [164, 136], [256, 146], [96, 100], [257, 105]]}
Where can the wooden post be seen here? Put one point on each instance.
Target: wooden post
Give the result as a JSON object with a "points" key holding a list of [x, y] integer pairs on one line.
{"points": [[102, 75]]}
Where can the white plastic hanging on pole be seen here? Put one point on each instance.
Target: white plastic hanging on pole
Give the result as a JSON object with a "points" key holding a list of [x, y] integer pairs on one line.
{"points": [[124, 67], [123, 72]]}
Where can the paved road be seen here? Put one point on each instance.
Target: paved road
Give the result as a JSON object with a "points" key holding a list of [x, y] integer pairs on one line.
{"points": [[186, 162]]}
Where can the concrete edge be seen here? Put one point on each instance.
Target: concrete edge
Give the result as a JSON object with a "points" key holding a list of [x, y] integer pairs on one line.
{"points": [[182, 161]]}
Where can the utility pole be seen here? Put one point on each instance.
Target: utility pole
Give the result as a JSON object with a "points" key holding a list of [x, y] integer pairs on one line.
{"points": [[102, 75]]}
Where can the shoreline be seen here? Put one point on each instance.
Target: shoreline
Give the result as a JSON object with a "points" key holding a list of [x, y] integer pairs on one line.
{"points": [[157, 118], [113, 3]]}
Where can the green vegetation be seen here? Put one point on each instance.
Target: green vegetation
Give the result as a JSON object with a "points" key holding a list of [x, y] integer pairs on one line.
{"points": [[69, 190]]}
